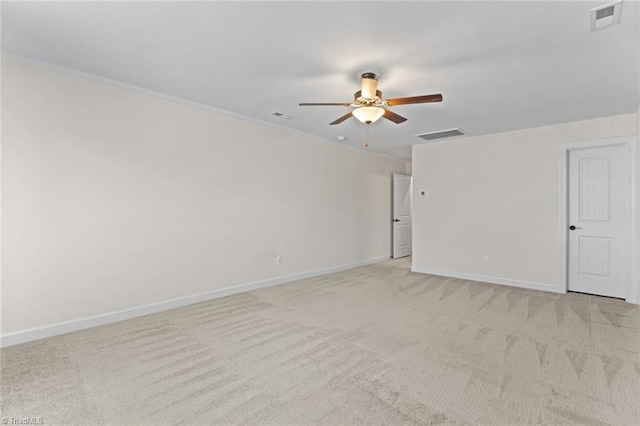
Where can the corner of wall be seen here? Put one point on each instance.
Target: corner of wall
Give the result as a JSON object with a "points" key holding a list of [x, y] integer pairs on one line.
{"points": [[637, 271]]}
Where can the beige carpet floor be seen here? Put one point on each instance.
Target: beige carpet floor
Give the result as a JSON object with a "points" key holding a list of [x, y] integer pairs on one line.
{"points": [[372, 345]]}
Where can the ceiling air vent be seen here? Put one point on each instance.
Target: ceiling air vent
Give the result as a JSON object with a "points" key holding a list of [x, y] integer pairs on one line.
{"points": [[605, 16], [279, 115], [441, 134]]}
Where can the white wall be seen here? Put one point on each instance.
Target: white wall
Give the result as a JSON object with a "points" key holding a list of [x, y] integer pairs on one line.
{"points": [[497, 196], [113, 199]]}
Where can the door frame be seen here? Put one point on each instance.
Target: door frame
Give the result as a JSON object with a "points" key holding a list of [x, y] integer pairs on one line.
{"points": [[631, 225]]}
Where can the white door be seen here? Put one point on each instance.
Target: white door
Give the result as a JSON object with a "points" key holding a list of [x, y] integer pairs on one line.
{"points": [[597, 217], [401, 215]]}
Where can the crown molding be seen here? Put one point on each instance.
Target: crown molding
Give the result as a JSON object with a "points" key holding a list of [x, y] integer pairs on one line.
{"points": [[176, 99]]}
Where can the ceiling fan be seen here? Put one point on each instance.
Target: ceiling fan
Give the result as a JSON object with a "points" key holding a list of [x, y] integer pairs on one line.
{"points": [[369, 105]]}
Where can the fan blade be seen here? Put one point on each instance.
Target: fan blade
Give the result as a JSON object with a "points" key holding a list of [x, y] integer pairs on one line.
{"points": [[321, 104], [414, 100], [341, 119], [394, 117]]}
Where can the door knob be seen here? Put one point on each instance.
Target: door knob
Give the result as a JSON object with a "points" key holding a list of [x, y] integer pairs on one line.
{"points": [[396, 220], [573, 228]]}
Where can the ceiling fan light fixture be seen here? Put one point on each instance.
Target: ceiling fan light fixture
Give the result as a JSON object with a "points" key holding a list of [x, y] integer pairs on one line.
{"points": [[368, 103], [368, 115]]}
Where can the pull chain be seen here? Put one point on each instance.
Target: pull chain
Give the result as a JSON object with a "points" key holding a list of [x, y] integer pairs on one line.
{"points": [[366, 138]]}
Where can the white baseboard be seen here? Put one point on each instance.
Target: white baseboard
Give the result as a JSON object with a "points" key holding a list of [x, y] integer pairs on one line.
{"points": [[489, 279], [29, 335]]}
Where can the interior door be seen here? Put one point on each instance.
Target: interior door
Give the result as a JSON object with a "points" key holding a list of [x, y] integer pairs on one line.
{"points": [[401, 215], [597, 216]]}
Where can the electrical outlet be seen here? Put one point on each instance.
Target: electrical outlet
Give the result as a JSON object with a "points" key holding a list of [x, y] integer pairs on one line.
{"points": [[279, 260], [485, 259]]}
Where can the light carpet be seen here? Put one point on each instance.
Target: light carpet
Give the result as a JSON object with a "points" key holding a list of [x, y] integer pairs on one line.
{"points": [[372, 345]]}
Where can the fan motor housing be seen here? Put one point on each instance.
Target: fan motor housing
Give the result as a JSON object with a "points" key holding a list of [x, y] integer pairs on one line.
{"points": [[359, 100]]}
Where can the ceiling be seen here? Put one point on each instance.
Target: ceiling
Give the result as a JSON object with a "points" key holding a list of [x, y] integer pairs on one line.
{"points": [[499, 65]]}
